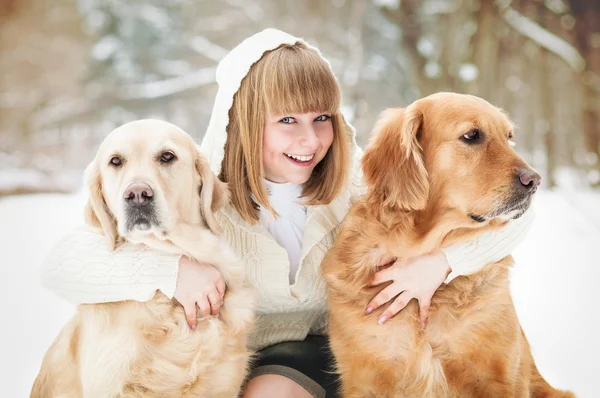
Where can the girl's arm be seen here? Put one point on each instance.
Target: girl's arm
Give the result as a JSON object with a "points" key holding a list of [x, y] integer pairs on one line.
{"points": [[420, 277], [82, 270], [470, 257]]}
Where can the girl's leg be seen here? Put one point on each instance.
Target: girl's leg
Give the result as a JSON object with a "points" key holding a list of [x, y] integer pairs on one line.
{"points": [[274, 386]]}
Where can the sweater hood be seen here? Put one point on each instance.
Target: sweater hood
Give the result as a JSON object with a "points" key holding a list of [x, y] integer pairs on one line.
{"points": [[231, 71]]}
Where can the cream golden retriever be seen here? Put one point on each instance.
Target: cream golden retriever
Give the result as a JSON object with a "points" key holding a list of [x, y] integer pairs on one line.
{"points": [[441, 171], [150, 185]]}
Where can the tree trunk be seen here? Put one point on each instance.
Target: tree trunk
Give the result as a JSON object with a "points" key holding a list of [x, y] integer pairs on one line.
{"points": [[587, 14]]}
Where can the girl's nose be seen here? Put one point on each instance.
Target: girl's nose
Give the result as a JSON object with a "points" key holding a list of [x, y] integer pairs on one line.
{"points": [[309, 138]]}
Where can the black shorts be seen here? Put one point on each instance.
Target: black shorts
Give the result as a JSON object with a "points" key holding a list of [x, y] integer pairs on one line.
{"points": [[308, 363]]}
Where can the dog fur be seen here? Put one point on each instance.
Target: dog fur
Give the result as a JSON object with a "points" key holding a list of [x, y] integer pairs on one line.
{"points": [[429, 188], [147, 349]]}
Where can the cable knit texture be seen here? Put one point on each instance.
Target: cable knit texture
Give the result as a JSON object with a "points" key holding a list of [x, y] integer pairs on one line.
{"points": [[488, 248], [82, 270]]}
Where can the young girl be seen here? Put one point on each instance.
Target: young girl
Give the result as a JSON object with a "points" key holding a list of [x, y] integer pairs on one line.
{"points": [[277, 137]]}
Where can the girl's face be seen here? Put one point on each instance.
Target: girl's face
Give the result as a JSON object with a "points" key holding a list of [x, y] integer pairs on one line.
{"points": [[294, 144]]}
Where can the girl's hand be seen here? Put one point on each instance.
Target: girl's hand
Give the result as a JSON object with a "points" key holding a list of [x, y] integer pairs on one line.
{"points": [[199, 284], [417, 278]]}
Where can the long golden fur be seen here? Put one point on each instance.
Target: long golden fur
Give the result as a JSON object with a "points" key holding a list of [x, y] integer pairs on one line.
{"points": [[146, 349], [429, 187]]}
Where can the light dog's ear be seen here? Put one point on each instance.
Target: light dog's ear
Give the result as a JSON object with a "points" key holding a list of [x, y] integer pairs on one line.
{"points": [[393, 164], [96, 211], [214, 193]]}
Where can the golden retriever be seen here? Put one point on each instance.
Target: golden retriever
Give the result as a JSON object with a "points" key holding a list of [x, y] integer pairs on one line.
{"points": [[441, 171], [150, 185]]}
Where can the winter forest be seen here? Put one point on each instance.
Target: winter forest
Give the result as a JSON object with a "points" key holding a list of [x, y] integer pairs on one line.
{"points": [[72, 70]]}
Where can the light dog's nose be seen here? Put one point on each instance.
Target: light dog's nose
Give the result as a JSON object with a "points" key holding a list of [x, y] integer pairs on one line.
{"points": [[138, 194], [529, 180]]}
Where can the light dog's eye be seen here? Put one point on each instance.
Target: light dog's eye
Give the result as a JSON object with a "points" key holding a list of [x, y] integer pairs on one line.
{"points": [[167, 157], [472, 136], [116, 161]]}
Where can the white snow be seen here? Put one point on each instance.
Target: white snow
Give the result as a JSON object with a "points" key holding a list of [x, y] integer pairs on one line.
{"points": [[394, 4], [31, 315], [553, 287], [545, 38], [163, 88], [468, 72], [211, 50]]}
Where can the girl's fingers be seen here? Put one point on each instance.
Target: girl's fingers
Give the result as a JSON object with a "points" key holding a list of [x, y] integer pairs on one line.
{"points": [[190, 314], [424, 307], [384, 296], [397, 305], [382, 276], [204, 306], [221, 287], [214, 301]]}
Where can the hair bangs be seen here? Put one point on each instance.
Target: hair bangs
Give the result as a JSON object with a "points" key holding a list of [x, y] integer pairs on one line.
{"points": [[298, 80]]}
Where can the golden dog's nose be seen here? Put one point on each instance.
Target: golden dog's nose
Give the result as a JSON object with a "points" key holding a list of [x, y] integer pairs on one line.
{"points": [[529, 180], [138, 194]]}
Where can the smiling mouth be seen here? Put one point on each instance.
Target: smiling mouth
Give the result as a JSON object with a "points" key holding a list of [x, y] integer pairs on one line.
{"points": [[300, 158]]}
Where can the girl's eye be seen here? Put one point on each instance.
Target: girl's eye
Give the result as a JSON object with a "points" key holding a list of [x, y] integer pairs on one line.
{"points": [[287, 120], [323, 118]]}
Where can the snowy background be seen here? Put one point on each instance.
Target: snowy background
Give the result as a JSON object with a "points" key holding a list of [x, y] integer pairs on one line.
{"points": [[71, 70], [554, 287]]}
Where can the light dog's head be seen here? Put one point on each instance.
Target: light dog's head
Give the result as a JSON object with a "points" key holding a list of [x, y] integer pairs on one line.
{"points": [[450, 151], [147, 176]]}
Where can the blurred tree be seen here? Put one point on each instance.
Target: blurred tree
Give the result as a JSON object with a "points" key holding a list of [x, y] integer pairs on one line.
{"points": [[520, 55], [42, 49], [71, 70], [587, 39]]}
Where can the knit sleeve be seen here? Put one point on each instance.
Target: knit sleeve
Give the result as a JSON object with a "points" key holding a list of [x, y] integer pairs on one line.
{"points": [[490, 247], [357, 186], [82, 270]]}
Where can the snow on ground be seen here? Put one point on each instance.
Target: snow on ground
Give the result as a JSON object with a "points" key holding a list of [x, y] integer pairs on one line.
{"points": [[553, 287]]}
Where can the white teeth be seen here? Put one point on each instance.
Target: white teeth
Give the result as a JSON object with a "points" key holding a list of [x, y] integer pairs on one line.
{"points": [[301, 158]]}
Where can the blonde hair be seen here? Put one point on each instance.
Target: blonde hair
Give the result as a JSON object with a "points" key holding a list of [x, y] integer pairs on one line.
{"points": [[289, 79]]}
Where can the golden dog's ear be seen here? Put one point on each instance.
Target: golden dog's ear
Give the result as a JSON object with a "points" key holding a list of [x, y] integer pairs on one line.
{"points": [[214, 193], [96, 211], [393, 165]]}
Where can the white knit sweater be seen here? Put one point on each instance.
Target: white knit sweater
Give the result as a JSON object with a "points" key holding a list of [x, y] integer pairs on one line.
{"points": [[81, 269]]}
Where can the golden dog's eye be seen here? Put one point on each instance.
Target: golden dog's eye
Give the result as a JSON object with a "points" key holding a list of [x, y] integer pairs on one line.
{"points": [[472, 136], [116, 161], [510, 141], [167, 157]]}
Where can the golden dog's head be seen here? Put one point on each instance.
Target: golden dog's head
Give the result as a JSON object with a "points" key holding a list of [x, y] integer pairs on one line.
{"points": [[147, 176], [451, 151]]}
